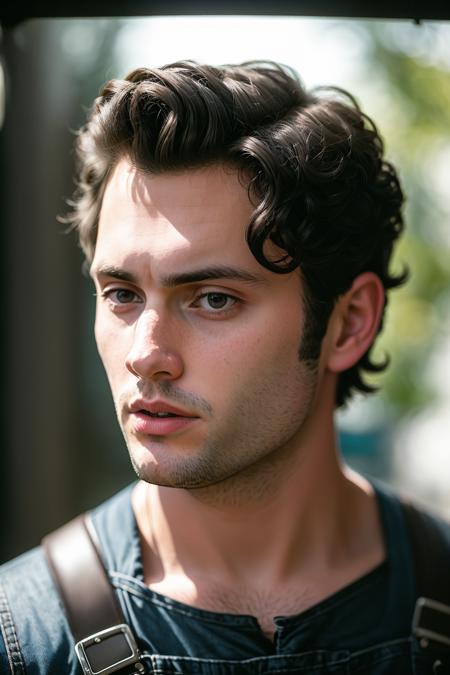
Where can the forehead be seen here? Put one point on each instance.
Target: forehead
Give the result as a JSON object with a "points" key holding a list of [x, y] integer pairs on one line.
{"points": [[199, 212]]}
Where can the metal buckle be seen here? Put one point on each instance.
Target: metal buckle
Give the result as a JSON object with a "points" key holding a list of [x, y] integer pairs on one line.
{"points": [[430, 620], [108, 650]]}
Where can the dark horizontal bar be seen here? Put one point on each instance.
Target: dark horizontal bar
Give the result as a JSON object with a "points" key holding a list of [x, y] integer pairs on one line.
{"points": [[13, 13]]}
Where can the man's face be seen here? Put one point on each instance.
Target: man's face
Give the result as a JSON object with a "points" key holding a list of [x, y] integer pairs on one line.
{"points": [[200, 343]]}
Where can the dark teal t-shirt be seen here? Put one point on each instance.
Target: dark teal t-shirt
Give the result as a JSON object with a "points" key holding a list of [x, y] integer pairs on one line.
{"points": [[364, 628], [376, 608]]}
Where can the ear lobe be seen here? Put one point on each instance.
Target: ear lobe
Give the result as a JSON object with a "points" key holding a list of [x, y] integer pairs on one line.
{"points": [[354, 322]]}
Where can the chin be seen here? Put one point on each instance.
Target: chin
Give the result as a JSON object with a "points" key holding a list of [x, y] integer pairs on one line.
{"points": [[186, 473], [167, 478], [161, 466]]}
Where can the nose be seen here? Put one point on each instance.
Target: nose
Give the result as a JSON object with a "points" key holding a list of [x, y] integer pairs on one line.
{"points": [[151, 356]]}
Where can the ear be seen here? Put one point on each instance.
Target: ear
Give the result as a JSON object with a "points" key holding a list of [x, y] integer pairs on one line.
{"points": [[354, 322]]}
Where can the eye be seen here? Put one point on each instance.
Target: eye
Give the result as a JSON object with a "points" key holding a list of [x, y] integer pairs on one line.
{"points": [[215, 301], [121, 296]]}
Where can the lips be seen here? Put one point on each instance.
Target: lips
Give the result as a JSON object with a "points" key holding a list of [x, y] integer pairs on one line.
{"points": [[158, 409], [158, 418]]}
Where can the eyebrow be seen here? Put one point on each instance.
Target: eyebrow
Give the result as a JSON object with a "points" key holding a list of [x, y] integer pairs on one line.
{"points": [[183, 278]]}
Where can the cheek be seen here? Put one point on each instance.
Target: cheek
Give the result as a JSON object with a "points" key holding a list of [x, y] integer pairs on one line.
{"points": [[101, 337], [111, 346], [245, 355]]}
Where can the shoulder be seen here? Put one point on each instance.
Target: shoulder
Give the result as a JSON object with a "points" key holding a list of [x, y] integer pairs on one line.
{"points": [[425, 538], [430, 539], [34, 629], [421, 517], [425, 528], [416, 516], [33, 626]]}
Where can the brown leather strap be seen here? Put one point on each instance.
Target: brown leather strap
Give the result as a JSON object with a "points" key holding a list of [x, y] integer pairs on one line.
{"points": [[76, 565]]}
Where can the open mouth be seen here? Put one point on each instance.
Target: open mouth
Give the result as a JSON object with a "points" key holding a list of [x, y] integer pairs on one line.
{"points": [[160, 422], [158, 414]]}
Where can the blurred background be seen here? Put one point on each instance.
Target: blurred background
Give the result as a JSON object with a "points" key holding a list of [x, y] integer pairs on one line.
{"points": [[62, 451]]}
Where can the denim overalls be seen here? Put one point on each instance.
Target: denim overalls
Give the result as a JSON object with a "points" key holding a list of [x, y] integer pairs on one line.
{"points": [[364, 628]]}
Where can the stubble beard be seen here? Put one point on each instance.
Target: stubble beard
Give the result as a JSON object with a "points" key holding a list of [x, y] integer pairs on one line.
{"points": [[257, 461]]}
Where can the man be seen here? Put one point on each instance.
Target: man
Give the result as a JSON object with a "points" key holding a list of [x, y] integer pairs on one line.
{"points": [[238, 230]]}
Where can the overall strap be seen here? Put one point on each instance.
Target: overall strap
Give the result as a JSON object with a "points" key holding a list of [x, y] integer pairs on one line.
{"points": [[104, 641], [431, 555]]}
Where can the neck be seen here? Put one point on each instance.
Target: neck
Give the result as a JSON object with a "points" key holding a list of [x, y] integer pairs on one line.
{"points": [[287, 516]]}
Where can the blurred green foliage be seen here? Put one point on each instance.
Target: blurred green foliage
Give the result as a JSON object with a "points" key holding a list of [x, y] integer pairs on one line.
{"points": [[416, 131], [411, 105]]}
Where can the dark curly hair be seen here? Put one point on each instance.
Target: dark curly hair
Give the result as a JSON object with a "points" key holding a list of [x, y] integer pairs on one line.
{"points": [[313, 161]]}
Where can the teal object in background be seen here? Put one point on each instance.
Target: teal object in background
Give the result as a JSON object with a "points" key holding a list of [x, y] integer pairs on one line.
{"points": [[368, 451]]}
